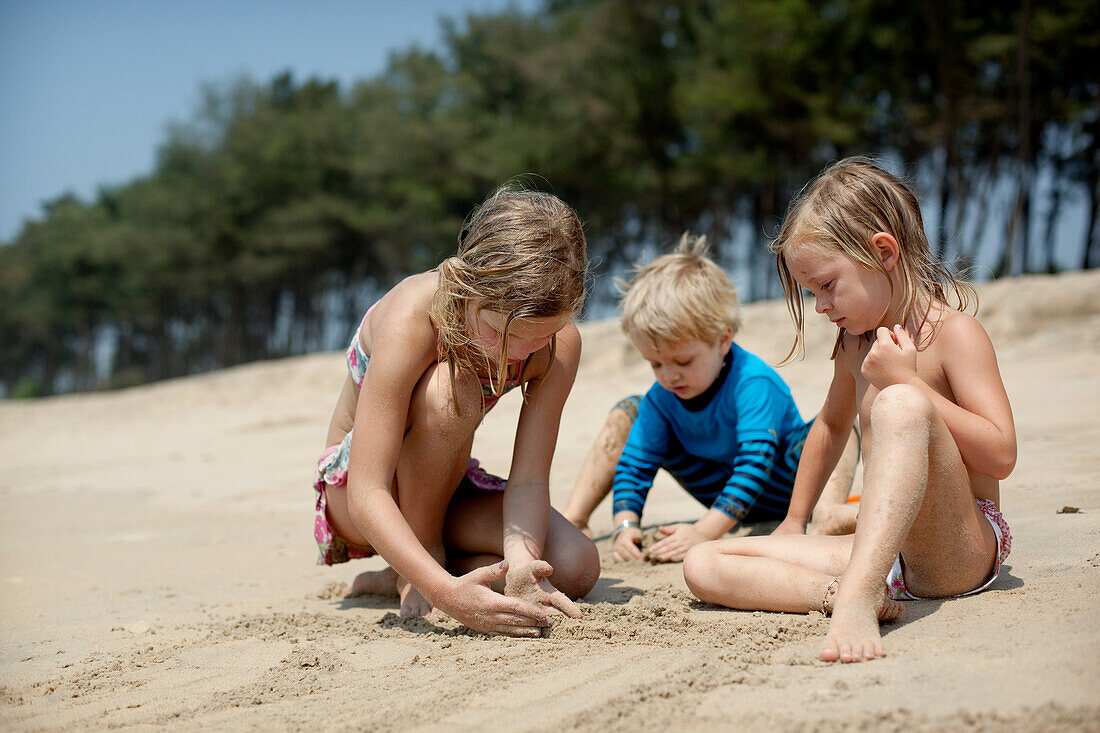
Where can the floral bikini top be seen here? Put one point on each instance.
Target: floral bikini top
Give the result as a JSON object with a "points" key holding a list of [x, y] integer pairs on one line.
{"points": [[358, 360]]}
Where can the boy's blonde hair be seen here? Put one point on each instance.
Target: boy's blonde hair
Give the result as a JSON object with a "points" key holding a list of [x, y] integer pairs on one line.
{"points": [[521, 254], [681, 296], [840, 210]]}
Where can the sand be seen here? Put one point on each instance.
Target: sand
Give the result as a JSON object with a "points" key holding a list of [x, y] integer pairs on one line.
{"points": [[157, 567]]}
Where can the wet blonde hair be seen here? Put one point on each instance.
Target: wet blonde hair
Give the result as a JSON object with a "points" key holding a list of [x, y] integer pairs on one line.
{"points": [[521, 254], [680, 297], [841, 210]]}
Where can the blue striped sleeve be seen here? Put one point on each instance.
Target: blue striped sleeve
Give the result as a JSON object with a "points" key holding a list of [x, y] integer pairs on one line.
{"points": [[752, 471], [645, 450]]}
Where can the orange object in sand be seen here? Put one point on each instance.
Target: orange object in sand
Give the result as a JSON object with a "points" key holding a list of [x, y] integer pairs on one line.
{"points": [[853, 499]]}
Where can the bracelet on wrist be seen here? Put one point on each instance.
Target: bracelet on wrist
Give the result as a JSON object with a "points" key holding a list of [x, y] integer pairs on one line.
{"points": [[623, 526]]}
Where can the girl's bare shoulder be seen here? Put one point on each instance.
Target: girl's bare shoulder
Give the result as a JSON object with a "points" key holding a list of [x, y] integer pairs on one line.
{"points": [[570, 338], [567, 350], [412, 294], [958, 342], [956, 329], [403, 312]]}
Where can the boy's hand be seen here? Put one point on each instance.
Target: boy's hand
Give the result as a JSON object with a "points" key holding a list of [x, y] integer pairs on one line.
{"points": [[679, 538], [790, 526], [529, 581], [628, 545], [892, 358]]}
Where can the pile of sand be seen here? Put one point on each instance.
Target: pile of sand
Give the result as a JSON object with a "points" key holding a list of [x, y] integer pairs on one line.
{"points": [[156, 562]]}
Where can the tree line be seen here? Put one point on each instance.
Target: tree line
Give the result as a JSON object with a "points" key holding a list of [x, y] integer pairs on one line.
{"points": [[279, 208]]}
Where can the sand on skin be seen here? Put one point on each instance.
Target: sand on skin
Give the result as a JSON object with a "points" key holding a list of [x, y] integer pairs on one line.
{"points": [[156, 567]]}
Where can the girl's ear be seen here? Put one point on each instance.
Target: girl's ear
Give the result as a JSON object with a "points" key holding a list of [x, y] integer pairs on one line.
{"points": [[886, 248]]}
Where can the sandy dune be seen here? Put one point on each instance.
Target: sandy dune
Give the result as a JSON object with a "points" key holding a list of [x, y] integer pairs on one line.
{"points": [[156, 567]]}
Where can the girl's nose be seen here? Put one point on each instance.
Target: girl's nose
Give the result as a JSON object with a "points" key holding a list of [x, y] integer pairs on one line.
{"points": [[819, 305]]}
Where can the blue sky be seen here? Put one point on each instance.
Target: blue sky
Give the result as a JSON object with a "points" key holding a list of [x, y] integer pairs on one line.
{"points": [[87, 88]]}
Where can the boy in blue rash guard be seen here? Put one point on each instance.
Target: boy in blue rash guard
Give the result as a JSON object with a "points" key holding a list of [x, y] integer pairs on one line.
{"points": [[718, 419]]}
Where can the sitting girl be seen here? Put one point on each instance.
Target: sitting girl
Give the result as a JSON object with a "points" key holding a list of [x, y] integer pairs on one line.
{"points": [[936, 425], [430, 358]]}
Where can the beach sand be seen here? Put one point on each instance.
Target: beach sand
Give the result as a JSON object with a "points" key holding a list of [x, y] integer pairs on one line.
{"points": [[157, 568]]}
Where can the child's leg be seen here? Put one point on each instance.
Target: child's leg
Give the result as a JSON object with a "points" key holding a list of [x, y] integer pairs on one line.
{"points": [[788, 573], [474, 535], [917, 501], [833, 514], [433, 458], [598, 470]]}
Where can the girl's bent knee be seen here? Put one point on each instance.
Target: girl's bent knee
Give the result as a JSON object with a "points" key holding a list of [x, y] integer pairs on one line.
{"points": [[901, 403], [699, 570], [577, 569]]}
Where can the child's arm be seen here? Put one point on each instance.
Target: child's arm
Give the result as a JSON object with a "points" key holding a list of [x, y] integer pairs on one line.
{"points": [[757, 408], [681, 537], [751, 467], [646, 446], [824, 446], [401, 353], [980, 417], [527, 497]]}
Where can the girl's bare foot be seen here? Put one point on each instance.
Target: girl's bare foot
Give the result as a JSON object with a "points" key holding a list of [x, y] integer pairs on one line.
{"points": [[413, 605], [387, 582], [375, 582], [853, 632]]}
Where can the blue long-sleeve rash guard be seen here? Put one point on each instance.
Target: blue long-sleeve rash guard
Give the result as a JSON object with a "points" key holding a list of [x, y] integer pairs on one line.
{"points": [[736, 452]]}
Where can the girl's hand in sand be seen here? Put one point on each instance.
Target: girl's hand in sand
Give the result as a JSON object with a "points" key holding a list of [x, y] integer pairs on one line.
{"points": [[679, 538], [892, 358], [473, 603], [530, 581], [628, 545], [790, 526]]}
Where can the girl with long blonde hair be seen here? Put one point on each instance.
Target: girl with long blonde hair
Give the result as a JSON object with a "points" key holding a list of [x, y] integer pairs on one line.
{"points": [[937, 430], [429, 359]]}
